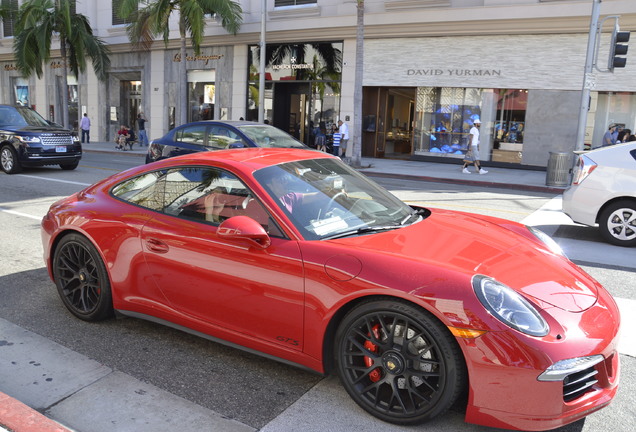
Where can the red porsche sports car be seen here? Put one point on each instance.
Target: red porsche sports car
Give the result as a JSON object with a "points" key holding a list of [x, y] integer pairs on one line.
{"points": [[295, 255]]}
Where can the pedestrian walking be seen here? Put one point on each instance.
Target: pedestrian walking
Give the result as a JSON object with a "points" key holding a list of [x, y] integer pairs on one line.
{"points": [[141, 127], [472, 155], [344, 136], [85, 126]]}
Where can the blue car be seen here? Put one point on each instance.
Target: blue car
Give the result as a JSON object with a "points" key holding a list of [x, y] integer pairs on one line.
{"points": [[218, 135]]}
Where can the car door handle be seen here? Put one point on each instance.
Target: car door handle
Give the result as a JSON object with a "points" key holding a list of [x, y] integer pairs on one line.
{"points": [[155, 245]]}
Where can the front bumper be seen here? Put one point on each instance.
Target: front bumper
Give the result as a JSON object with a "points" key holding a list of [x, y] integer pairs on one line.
{"points": [[541, 383], [520, 401], [41, 157]]}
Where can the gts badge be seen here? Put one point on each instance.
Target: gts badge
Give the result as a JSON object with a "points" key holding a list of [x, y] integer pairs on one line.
{"points": [[287, 340]]}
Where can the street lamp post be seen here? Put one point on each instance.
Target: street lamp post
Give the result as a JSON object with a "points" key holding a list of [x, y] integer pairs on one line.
{"points": [[261, 74], [589, 79]]}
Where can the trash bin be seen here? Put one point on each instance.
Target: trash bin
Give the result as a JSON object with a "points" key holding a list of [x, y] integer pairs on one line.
{"points": [[558, 173]]}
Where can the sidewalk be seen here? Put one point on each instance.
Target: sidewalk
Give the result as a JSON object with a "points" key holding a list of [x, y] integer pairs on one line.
{"points": [[508, 178]]}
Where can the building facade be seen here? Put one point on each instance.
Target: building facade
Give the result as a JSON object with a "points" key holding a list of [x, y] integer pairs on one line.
{"points": [[431, 67]]}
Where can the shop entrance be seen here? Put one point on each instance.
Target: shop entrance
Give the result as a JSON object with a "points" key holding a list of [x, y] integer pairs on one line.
{"points": [[130, 102], [388, 120], [291, 104]]}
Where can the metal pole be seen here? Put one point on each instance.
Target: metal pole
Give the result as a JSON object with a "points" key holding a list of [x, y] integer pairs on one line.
{"points": [[261, 74], [589, 79]]}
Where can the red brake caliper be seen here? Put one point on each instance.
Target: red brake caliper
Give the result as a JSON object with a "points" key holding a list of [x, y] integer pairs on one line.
{"points": [[376, 373]]}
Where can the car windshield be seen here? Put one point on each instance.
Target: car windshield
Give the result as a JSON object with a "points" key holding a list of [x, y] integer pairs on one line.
{"points": [[21, 116], [269, 136], [326, 199]]}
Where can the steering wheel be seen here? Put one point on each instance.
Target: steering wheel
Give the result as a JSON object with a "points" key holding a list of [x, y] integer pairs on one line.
{"points": [[330, 205]]}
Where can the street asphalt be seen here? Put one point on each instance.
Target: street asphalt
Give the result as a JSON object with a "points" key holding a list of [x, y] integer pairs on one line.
{"points": [[20, 409]]}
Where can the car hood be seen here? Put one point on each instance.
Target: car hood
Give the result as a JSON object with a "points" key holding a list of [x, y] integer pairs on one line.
{"points": [[470, 245], [43, 129]]}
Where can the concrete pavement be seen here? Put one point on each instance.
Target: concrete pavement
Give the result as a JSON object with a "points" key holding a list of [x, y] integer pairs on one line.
{"points": [[44, 385]]}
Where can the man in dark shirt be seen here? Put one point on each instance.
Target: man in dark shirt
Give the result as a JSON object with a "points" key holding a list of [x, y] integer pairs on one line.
{"points": [[141, 126]]}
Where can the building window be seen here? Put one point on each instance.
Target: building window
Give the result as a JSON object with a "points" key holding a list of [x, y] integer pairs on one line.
{"points": [[8, 23], [509, 125], [443, 118], [20, 91], [201, 94], [281, 3], [117, 19]]}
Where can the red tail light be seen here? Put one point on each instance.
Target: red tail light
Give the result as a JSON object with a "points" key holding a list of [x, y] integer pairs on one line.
{"points": [[584, 167]]}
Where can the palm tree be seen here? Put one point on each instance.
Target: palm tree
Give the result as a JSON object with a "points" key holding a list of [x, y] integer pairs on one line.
{"points": [[38, 23], [150, 18], [356, 150]]}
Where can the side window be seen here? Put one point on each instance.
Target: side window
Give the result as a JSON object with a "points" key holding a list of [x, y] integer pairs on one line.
{"points": [[212, 195], [220, 137], [192, 134], [147, 190]]}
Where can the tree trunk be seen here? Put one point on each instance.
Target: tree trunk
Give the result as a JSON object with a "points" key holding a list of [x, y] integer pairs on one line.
{"points": [[183, 79], [65, 119], [356, 154]]}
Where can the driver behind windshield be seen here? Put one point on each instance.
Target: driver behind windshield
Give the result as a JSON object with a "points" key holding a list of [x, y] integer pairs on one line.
{"points": [[294, 194], [324, 198]]}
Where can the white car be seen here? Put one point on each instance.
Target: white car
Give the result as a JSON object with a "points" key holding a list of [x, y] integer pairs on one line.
{"points": [[603, 192]]}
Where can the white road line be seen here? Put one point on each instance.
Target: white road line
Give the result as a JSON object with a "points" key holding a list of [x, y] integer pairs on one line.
{"points": [[54, 180], [13, 212]]}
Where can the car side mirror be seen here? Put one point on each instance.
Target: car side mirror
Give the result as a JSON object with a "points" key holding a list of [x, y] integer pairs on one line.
{"points": [[244, 228], [236, 144]]}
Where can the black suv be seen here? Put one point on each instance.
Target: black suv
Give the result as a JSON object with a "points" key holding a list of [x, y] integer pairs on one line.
{"points": [[28, 140]]}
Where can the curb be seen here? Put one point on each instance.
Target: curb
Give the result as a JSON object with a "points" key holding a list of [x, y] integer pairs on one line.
{"points": [[546, 189], [18, 417]]}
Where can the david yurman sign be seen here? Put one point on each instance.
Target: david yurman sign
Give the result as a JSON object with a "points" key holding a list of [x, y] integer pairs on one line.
{"points": [[454, 72]]}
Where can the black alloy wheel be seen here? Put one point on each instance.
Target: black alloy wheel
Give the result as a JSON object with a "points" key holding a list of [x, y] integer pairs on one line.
{"points": [[81, 279], [398, 362]]}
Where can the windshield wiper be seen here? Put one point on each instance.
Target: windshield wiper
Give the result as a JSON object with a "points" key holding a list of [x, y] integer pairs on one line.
{"points": [[363, 230]]}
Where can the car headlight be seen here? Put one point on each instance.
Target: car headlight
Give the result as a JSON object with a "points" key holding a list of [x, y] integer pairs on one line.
{"points": [[27, 139], [509, 307], [547, 240]]}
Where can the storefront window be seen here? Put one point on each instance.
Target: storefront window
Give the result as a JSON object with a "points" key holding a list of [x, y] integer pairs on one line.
{"points": [[201, 94], [21, 91], [509, 126], [73, 101], [609, 108], [443, 118]]}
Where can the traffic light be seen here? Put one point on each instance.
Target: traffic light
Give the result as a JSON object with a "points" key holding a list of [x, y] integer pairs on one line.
{"points": [[618, 48]]}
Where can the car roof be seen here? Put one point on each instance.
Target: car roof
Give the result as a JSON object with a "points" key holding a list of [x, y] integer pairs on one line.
{"points": [[251, 158], [234, 123]]}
